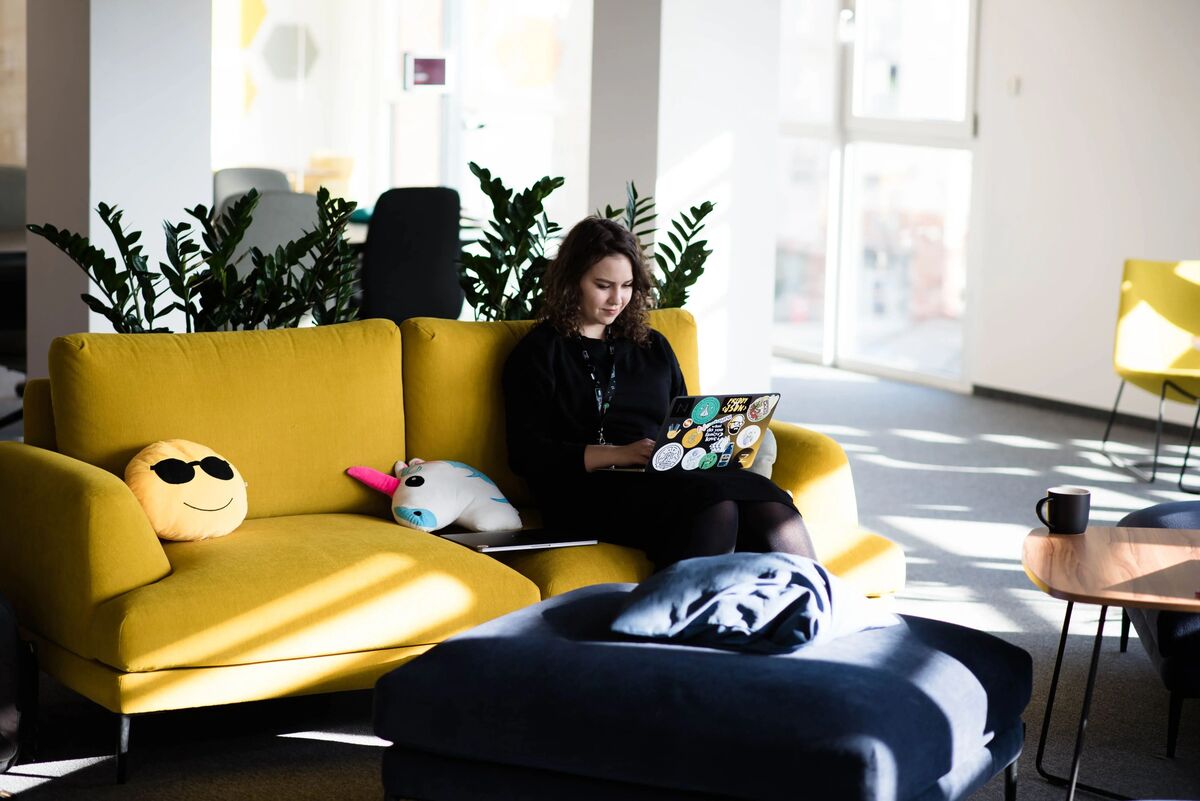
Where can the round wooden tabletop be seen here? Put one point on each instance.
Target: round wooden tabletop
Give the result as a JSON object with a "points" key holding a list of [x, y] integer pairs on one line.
{"points": [[1154, 568]]}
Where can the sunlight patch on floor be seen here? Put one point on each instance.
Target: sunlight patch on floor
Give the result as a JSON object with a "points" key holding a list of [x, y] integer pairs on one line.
{"points": [[1095, 474], [1114, 447], [924, 435], [1017, 441], [30, 775], [832, 430], [941, 507], [888, 461], [339, 737], [995, 541]]}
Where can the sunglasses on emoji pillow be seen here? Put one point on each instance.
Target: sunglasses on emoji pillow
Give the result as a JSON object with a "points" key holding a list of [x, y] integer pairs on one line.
{"points": [[189, 491]]}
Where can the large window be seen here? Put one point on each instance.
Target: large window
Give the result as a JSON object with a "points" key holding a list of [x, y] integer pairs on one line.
{"points": [[877, 117]]}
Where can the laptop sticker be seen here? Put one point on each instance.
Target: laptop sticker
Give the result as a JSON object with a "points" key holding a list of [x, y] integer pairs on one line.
{"points": [[667, 457]]}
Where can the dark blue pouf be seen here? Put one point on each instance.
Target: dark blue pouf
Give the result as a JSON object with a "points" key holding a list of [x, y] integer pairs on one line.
{"points": [[547, 703]]}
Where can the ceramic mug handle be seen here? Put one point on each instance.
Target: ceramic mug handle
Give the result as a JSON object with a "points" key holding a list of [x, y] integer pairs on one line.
{"points": [[1038, 511]]}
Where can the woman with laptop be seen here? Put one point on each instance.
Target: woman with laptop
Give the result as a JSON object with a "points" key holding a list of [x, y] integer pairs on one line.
{"points": [[586, 391]]}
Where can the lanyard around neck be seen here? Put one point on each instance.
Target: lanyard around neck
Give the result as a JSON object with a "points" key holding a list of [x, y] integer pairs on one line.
{"points": [[603, 398]]}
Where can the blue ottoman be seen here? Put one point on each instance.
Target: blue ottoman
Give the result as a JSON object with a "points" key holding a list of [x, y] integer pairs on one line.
{"points": [[547, 703]]}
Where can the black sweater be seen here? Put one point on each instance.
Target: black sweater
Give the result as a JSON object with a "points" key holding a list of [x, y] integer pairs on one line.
{"points": [[550, 399]]}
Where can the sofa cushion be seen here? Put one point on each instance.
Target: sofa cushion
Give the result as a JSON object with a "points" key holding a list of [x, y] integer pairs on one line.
{"points": [[559, 570], [310, 585], [451, 361], [292, 408], [882, 714]]}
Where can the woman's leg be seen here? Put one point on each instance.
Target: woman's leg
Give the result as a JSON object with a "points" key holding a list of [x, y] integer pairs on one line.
{"points": [[772, 526], [712, 530]]}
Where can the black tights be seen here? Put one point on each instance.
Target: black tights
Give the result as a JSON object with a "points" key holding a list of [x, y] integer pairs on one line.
{"points": [[729, 526]]}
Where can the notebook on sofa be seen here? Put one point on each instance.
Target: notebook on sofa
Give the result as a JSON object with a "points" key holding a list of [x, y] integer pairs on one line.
{"points": [[710, 432], [515, 539]]}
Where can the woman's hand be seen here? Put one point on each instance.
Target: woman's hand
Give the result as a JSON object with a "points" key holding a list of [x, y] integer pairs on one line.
{"points": [[635, 454]]}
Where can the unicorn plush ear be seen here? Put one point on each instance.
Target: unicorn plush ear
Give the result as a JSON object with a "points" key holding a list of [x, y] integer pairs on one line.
{"points": [[374, 479]]}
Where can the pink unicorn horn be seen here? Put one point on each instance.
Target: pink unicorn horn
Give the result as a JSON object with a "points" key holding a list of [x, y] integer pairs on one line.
{"points": [[374, 479]]}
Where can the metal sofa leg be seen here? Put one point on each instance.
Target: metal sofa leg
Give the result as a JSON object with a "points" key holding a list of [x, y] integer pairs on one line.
{"points": [[123, 722], [1124, 630], [1010, 781], [1173, 723]]}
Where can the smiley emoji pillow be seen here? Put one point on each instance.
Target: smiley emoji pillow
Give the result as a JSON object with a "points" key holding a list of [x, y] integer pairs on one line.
{"points": [[188, 491]]}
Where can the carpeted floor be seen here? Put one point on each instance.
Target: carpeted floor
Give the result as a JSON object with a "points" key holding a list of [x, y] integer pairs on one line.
{"points": [[953, 478]]}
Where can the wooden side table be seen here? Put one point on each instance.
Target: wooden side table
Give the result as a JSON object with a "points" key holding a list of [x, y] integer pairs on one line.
{"points": [[1152, 568]]}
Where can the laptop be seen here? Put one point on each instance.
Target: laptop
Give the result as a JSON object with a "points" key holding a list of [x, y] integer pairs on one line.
{"points": [[711, 432], [515, 540]]}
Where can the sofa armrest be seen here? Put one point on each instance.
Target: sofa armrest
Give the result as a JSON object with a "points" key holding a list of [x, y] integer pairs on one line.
{"points": [[815, 470], [71, 537]]}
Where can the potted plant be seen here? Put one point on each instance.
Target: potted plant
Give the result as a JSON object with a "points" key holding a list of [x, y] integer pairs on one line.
{"points": [[311, 277]]}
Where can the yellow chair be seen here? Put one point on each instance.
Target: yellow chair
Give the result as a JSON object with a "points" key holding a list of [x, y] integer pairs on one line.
{"points": [[1158, 345]]}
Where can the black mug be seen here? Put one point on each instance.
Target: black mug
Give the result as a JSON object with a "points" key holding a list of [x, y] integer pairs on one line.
{"points": [[1068, 513]]}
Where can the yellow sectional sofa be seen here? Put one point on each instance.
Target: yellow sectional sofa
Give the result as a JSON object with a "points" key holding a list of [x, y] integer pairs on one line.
{"points": [[318, 590]]}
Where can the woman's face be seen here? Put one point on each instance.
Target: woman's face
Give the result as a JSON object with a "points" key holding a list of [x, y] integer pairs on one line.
{"points": [[604, 291]]}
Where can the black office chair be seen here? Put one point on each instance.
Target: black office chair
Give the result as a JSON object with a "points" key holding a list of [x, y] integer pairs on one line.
{"points": [[411, 255], [1171, 639]]}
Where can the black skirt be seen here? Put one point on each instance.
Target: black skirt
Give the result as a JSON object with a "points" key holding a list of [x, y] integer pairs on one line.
{"points": [[646, 510]]}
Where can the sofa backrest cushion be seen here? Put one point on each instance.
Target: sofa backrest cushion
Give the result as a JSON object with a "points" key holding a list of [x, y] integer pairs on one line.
{"points": [[292, 408], [454, 406]]}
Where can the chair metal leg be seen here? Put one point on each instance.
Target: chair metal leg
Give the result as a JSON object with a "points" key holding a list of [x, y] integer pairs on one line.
{"points": [[1188, 452], [1124, 630], [1132, 466], [123, 722], [1173, 723], [1010, 781]]}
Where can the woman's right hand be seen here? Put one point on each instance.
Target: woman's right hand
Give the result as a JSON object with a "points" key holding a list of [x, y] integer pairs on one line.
{"points": [[635, 454]]}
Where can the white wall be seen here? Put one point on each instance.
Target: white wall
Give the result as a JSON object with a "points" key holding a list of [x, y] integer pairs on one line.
{"points": [[118, 112], [1095, 160], [717, 139]]}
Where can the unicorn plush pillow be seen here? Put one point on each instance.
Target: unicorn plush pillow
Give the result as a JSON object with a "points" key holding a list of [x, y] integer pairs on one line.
{"points": [[431, 495]]}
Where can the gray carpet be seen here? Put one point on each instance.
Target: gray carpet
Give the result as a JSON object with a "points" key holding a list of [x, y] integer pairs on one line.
{"points": [[953, 478]]}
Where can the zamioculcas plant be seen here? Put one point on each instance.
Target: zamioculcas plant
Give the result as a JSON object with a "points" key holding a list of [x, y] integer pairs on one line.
{"points": [[680, 259], [502, 278], [313, 275]]}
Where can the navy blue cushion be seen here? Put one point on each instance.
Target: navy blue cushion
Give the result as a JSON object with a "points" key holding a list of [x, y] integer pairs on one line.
{"points": [[881, 714]]}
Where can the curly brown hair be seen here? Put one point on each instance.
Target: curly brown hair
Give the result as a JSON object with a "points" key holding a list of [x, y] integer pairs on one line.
{"points": [[593, 239]]}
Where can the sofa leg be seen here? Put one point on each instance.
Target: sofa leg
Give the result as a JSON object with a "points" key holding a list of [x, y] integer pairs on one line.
{"points": [[1124, 630], [123, 722], [1010, 781], [30, 706], [1173, 722]]}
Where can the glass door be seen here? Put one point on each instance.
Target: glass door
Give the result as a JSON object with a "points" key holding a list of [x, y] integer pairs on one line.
{"points": [[892, 275]]}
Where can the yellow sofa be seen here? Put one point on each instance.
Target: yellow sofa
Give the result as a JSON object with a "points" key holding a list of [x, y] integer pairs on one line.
{"points": [[318, 590]]}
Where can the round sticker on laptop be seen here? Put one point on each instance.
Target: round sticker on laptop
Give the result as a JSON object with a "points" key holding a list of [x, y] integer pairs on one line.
{"points": [[748, 436], [691, 459], [708, 461], [759, 408], [667, 456], [705, 410]]}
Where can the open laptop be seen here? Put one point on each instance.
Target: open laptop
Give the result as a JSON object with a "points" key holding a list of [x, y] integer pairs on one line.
{"points": [[711, 432], [515, 539]]}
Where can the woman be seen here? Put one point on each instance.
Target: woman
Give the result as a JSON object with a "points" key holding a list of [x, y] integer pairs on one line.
{"points": [[587, 390]]}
